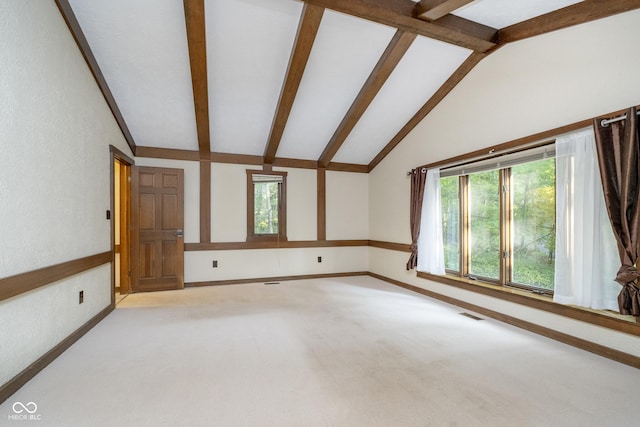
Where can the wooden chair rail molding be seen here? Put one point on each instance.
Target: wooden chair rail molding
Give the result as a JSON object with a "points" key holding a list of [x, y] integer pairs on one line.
{"points": [[539, 302], [628, 324], [610, 353], [284, 244], [25, 282]]}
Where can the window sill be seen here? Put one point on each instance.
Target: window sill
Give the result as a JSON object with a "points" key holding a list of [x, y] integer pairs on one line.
{"points": [[266, 238], [603, 318]]}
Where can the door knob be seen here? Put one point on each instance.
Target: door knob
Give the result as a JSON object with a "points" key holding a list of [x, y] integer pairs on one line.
{"points": [[178, 233]]}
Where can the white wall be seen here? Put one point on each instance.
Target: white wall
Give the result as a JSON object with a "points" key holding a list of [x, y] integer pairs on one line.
{"points": [[55, 132], [347, 193], [522, 89], [260, 263], [347, 218]]}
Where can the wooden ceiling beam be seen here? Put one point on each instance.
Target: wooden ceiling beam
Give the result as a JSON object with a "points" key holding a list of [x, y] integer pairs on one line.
{"points": [[444, 90], [307, 31], [74, 26], [390, 58], [579, 13], [431, 10], [196, 39], [399, 14]]}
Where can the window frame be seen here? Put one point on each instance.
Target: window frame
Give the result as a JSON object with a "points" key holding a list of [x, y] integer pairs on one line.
{"points": [[281, 235], [506, 230]]}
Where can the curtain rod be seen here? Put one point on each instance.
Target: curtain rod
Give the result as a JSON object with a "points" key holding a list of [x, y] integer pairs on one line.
{"points": [[604, 123], [423, 170]]}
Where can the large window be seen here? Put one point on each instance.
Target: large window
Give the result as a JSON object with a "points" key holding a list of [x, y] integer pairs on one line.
{"points": [[266, 205], [498, 220]]}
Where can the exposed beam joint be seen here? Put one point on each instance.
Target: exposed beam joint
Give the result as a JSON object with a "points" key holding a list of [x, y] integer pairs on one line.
{"points": [[579, 13], [307, 31], [390, 58], [83, 44], [431, 10], [196, 39], [444, 90], [399, 14]]}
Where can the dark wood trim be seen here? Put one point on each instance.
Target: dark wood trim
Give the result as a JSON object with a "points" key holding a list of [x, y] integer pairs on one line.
{"points": [[245, 159], [322, 204], [576, 14], [522, 297], [167, 153], [273, 279], [306, 35], [401, 247], [511, 145], [197, 41], [437, 97], [205, 201], [616, 355], [538, 302], [14, 384], [118, 154], [231, 246], [527, 141], [76, 31], [390, 58], [241, 159], [282, 208], [399, 14], [24, 282], [347, 167], [435, 9], [125, 163], [295, 163]]}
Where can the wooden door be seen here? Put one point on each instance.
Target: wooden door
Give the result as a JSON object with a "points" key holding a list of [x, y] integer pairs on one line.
{"points": [[157, 208]]}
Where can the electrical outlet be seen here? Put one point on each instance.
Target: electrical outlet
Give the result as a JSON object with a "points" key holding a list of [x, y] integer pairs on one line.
{"points": [[80, 297], [214, 264], [319, 259]]}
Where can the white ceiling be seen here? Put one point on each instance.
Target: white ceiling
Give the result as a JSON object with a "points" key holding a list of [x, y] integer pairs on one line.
{"points": [[248, 47], [344, 53], [141, 48], [502, 13]]}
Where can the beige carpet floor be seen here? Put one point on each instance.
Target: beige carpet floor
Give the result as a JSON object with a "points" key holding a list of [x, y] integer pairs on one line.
{"points": [[333, 352]]}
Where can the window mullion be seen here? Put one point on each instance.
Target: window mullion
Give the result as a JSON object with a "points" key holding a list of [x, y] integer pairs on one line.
{"points": [[505, 226], [463, 185]]}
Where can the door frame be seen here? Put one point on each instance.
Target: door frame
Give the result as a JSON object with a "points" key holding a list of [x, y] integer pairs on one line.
{"points": [[126, 163]]}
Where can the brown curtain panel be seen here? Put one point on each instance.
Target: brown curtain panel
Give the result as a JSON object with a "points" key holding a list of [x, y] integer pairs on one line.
{"points": [[418, 179], [618, 158]]}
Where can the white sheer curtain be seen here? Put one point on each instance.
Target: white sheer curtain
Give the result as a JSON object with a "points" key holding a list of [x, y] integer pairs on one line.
{"points": [[430, 246], [586, 251]]}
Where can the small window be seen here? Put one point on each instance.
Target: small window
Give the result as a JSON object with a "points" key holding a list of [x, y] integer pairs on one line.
{"points": [[266, 205]]}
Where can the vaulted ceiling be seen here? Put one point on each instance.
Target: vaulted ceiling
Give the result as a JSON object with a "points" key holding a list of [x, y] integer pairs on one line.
{"points": [[329, 83]]}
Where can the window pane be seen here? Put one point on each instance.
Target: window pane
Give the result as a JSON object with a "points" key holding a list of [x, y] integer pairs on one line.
{"points": [[265, 207], [484, 224], [533, 219], [450, 222]]}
